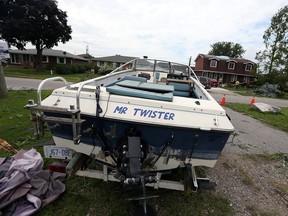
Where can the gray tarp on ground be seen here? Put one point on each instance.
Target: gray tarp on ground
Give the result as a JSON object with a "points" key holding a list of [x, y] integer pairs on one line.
{"points": [[24, 186]]}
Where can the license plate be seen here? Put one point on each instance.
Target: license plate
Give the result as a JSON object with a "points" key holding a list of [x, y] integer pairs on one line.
{"points": [[57, 152]]}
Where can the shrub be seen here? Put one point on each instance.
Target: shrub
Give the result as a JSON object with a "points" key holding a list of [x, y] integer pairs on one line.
{"points": [[62, 69], [105, 70], [72, 69], [268, 90], [87, 76], [279, 79]]}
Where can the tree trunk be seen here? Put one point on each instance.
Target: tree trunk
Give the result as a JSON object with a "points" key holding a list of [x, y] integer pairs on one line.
{"points": [[39, 65], [3, 87]]}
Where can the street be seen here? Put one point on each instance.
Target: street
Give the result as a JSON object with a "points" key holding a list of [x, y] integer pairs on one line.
{"points": [[23, 83]]}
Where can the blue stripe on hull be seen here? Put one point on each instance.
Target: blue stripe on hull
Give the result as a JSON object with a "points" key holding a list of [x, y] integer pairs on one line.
{"points": [[185, 143]]}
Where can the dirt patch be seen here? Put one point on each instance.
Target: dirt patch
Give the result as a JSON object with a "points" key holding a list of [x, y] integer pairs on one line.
{"points": [[254, 185]]}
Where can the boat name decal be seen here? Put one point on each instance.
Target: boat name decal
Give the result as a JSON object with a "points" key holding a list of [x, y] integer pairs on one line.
{"points": [[147, 113]]}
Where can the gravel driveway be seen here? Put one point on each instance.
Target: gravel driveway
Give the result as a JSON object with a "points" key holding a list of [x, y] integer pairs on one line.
{"points": [[254, 185], [253, 137]]}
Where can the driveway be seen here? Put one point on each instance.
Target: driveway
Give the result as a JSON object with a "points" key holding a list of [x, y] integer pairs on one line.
{"points": [[253, 137]]}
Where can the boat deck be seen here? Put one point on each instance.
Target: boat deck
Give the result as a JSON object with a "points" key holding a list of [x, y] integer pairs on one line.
{"points": [[139, 87]]}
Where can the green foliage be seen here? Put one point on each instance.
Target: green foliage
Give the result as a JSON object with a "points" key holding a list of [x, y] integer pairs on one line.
{"points": [[37, 21], [87, 76], [279, 79], [274, 57], [105, 70], [73, 69], [268, 90], [225, 48]]}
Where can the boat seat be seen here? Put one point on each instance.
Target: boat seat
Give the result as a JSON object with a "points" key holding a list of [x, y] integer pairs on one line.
{"points": [[121, 90], [146, 86], [180, 89], [134, 78]]}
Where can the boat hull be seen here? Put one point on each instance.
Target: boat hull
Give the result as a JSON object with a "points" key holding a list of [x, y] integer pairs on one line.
{"points": [[182, 145]]}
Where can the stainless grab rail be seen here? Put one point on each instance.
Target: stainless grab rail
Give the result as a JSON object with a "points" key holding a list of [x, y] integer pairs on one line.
{"points": [[97, 79], [49, 80], [80, 89]]}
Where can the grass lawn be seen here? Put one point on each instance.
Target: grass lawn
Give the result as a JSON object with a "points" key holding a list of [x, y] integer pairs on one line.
{"points": [[241, 90], [279, 121], [85, 196], [33, 74], [248, 92]]}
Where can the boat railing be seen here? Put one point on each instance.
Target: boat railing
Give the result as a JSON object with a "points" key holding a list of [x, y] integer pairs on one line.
{"points": [[46, 81]]}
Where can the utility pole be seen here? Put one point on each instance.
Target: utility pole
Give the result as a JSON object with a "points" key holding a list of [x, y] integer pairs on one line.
{"points": [[190, 59]]}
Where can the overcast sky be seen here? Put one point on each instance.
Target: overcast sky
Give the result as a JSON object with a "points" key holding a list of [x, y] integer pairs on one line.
{"points": [[166, 29]]}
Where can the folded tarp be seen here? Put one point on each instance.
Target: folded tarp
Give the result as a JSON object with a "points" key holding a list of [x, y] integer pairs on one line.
{"points": [[24, 186]]}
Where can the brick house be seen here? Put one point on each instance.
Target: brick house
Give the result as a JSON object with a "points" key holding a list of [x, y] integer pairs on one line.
{"points": [[224, 69], [50, 58]]}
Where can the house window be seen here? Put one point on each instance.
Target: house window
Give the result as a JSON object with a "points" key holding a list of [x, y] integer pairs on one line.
{"points": [[45, 59], [231, 65], [233, 78], [16, 58], [25, 58], [61, 60], [248, 67], [246, 79], [100, 63], [213, 63]]}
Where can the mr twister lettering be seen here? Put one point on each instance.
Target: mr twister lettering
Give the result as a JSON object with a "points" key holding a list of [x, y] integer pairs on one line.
{"points": [[147, 113]]}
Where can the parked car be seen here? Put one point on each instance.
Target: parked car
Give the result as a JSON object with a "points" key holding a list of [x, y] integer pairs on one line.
{"points": [[205, 81], [214, 83]]}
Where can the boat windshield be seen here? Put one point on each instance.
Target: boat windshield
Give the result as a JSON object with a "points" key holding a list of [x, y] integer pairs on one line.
{"points": [[152, 65], [164, 67]]}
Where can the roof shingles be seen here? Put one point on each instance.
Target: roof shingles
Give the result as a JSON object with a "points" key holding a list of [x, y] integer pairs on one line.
{"points": [[49, 52]]}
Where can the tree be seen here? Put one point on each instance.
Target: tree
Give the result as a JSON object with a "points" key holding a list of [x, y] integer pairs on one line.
{"points": [[37, 21], [226, 48], [3, 87], [275, 56]]}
